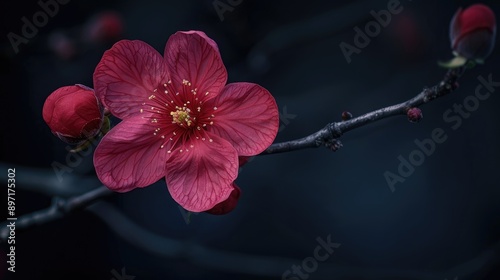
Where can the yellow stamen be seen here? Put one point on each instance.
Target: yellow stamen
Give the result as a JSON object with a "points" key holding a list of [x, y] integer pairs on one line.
{"points": [[181, 116]]}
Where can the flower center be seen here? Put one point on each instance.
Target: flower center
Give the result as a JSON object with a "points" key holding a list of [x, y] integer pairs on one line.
{"points": [[181, 116]]}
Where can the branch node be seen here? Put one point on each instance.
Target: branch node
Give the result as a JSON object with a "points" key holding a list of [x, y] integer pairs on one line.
{"points": [[331, 140], [333, 144], [334, 130]]}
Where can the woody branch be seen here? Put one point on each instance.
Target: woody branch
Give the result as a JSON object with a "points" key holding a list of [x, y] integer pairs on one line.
{"points": [[330, 134]]}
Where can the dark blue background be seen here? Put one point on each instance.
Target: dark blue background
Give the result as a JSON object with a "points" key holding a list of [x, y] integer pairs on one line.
{"points": [[442, 222]]}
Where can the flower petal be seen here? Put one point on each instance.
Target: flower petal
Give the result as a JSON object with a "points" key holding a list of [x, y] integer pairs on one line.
{"points": [[455, 27], [202, 177], [127, 75], [247, 116], [193, 56], [129, 156], [227, 205], [243, 160]]}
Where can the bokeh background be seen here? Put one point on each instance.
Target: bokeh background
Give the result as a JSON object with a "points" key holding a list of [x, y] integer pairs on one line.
{"points": [[442, 222]]}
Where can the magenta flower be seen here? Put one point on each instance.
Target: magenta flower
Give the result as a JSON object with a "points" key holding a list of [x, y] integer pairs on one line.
{"points": [[180, 120], [473, 31], [73, 113]]}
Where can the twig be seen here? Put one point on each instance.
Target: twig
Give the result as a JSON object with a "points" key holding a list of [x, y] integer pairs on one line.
{"points": [[59, 208], [329, 135]]}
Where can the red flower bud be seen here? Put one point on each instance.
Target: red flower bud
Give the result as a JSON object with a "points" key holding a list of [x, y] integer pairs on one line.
{"points": [[106, 26], [73, 113], [414, 115], [473, 31], [346, 116], [227, 205]]}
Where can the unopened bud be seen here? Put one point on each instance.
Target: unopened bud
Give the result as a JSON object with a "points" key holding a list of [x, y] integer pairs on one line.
{"points": [[414, 115], [346, 116]]}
